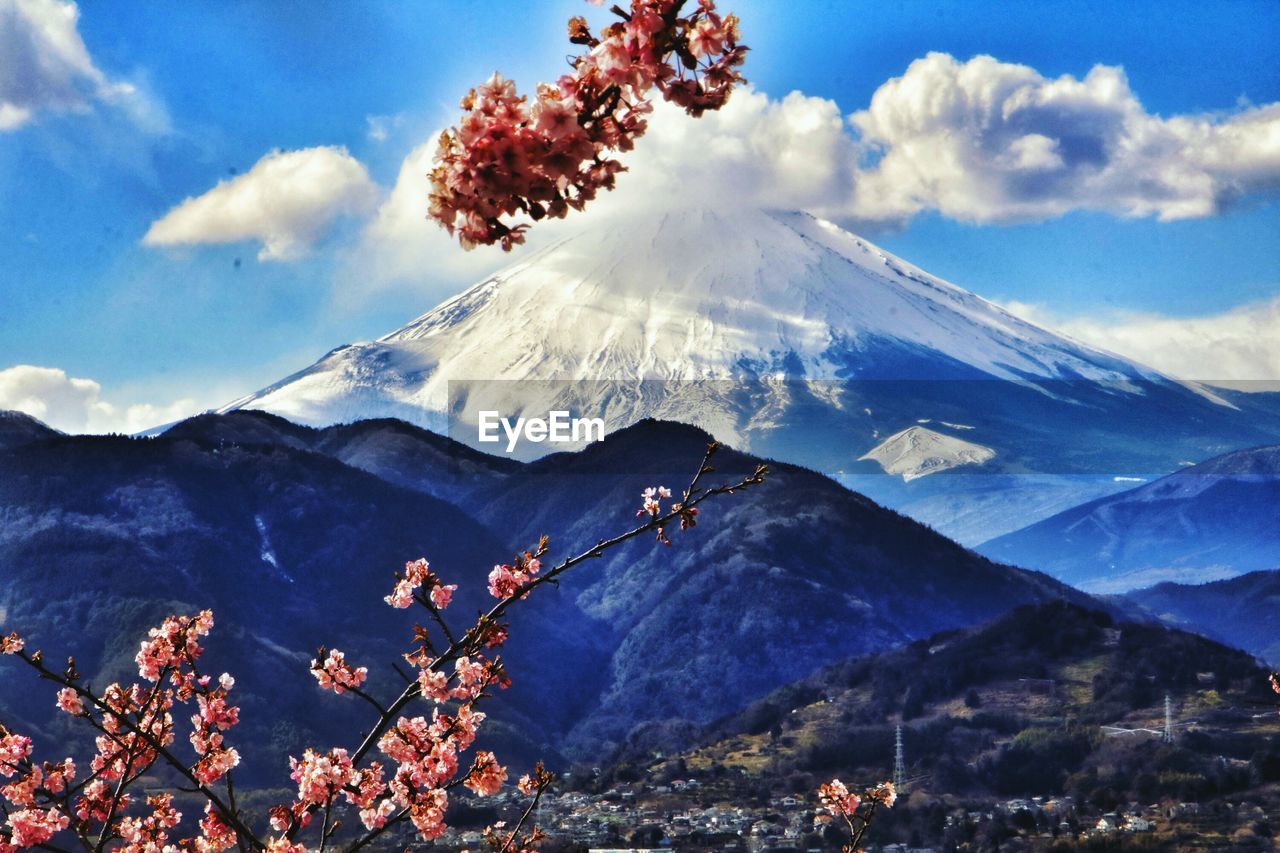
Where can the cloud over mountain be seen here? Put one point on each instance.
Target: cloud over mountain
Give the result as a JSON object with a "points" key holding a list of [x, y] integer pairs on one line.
{"points": [[1240, 347]]}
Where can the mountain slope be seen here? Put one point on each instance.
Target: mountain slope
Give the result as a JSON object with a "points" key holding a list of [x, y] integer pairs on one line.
{"points": [[1211, 520], [1104, 669], [293, 548], [1243, 612], [788, 337], [1052, 702]]}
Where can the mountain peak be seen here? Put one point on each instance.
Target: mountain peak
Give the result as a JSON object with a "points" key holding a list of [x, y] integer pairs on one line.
{"points": [[693, 294]]}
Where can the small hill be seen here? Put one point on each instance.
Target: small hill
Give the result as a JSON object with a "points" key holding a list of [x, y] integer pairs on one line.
{"points": [[1054, 710], [17, 429]]}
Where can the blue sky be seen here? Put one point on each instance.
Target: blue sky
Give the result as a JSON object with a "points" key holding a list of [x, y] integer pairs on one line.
{"points": [[178, 97]]}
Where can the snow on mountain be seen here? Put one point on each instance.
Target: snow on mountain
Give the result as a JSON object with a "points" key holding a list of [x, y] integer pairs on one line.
{"points": [[688, 295], [918, 452]]}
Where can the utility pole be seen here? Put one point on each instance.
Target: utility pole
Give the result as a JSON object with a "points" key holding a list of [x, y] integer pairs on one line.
{"points": [[899, 764]]}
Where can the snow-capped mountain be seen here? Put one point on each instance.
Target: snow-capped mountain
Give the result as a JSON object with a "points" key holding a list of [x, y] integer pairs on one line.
{"points": [[688, 295], [780, 333]]}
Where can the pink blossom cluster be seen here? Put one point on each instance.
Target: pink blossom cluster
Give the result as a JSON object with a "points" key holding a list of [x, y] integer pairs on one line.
{"points": [[215, 716], [134, 725], [883, 793], [835, 795], [856, 810], [152, 831], [216, 834], [508, 581], [29, 824], [321, 776], [124, 750], [68, 701], [510, 157], [470, 678], [336, 674], [426, 758], [651, 507], [13, 748], [487, 775], [417, 574], [425, 754], [651, 500], [11, 644], [47, 781], [175, 642], [33, 827]]}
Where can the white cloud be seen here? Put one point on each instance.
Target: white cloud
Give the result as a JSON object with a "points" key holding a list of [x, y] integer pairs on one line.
{"points": [[288, 201], [1240, 347], [990, 141], [790, 153], [76, 405], [47, 68], [400, 244], [979, 141]]}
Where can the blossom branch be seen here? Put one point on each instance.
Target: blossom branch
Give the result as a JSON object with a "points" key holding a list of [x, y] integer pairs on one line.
{"points": [[508, 156]]}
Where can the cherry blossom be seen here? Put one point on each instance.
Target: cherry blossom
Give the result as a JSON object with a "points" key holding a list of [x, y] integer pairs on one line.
{"points": [[70, 701], [336, 674], [174, 642], [151, 832], [508, 581], [321, 776], [651, 500], [510, 157], [855, 810], [13, 748], [22, 791], [487, 775], [442, 594], [33, 827], [416, 573], [835, 795], [884, 793], [215, 834]]}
